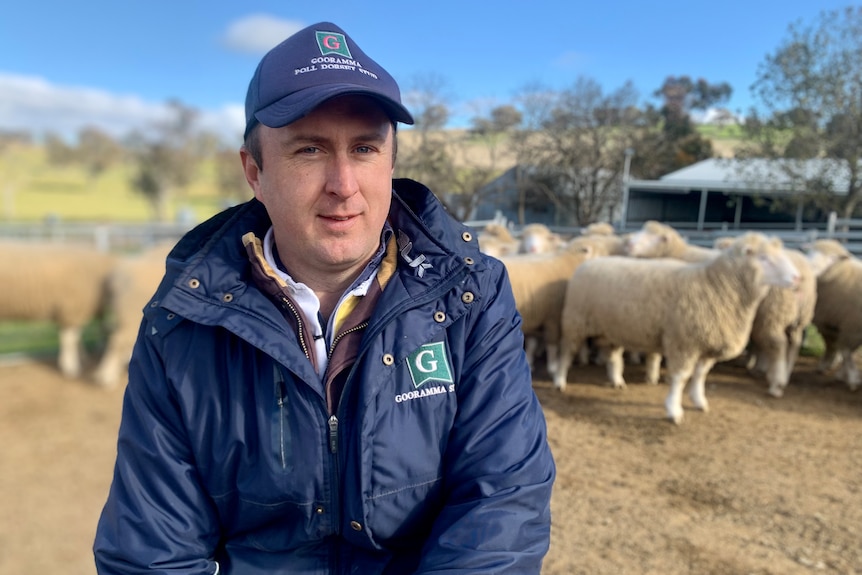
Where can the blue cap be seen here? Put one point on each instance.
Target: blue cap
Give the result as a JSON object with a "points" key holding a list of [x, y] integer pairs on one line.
{"points": [[310, 67]]}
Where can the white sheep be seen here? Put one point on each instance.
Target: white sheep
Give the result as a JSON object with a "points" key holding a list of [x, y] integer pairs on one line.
{"points": [[838, 313], [692, 314], [599, 229], [497, 240], [539, 286], [779, 326], [538, 238], [657, 240], [64, 284], [780, 322], [132, 283]]}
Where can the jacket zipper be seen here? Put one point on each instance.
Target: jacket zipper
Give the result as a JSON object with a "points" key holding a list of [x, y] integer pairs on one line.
{"points": [[299, 325], [281, 391]]}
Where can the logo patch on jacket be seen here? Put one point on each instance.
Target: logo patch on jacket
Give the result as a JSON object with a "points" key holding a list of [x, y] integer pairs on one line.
{"points": [[429, 363], [418, 263]]}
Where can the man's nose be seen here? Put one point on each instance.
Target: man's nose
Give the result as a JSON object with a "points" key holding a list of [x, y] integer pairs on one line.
{"points": [[341, 177]]}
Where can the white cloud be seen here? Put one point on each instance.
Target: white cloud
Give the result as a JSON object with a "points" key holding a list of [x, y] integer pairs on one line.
{"points": [[32, 104], [257, 33]]}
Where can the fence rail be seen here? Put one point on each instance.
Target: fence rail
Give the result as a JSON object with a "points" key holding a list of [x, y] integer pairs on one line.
{"points": [[845, 230], [122, 237]]}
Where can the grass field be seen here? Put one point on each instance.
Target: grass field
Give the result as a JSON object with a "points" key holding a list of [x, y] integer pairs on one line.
{"points": [[33, 191]]}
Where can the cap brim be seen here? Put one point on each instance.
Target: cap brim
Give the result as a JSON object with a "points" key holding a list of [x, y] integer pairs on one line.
{"points": [[294, 106]]}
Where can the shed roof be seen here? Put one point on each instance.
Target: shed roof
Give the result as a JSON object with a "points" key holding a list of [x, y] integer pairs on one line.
{"points": [[751, 176]]}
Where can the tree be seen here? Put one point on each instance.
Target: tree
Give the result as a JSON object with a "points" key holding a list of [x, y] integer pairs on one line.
{"points": [[428, 158], [97, 151], [57, 151], [572, 149], [676, 143], [230, 177], [482, 156], [166, 158], [810, 91]]}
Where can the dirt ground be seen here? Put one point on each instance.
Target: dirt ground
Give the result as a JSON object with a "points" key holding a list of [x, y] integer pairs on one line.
{"points": [[755, 486]]}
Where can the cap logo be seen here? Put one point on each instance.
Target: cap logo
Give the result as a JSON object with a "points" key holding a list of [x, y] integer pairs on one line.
{"points": [[332, 43]]}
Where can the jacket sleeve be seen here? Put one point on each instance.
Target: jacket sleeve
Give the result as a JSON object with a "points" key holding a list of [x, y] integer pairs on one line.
{"points": [[498, 465], [157, 518]]}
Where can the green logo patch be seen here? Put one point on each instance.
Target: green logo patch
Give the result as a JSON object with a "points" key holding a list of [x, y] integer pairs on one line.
{"points": [[429, 363], [332, 43]]}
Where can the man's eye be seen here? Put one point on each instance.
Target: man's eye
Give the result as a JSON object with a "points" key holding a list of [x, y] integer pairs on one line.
{"points": [[309, 150], [363, 149]]}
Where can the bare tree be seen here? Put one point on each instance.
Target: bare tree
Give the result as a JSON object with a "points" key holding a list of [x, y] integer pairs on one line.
{"points": [[428, 159], [166, 158], [810, 89], [97, 151], [572, 149]]}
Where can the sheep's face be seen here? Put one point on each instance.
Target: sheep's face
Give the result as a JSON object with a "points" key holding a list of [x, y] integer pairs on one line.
{"points": [[646, 244], [821, 261], [776, 267]]}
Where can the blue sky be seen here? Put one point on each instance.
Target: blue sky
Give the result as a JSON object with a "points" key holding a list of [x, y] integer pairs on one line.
{"points": [[114, 63]]}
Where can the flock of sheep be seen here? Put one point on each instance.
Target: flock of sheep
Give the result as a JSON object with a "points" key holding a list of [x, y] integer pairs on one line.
{"points": [[650, 295], [73, 286], [646, 296]]}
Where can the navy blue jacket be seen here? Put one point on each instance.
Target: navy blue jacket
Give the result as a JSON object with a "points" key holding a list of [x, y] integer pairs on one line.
{"points": [[229, 461]]}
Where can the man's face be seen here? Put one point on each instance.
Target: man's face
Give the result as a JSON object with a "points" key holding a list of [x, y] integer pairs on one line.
{"points": [[327, 186]]}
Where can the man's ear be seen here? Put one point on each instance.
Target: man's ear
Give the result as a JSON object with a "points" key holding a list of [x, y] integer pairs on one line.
{"points": [[251, 170]]}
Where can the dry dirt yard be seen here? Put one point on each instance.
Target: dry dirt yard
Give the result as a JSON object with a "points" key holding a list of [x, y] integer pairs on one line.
{"points": [[755, 486]]}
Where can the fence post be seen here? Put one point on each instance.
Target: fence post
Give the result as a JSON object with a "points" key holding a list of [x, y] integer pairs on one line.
{"points": [[830, 224]]}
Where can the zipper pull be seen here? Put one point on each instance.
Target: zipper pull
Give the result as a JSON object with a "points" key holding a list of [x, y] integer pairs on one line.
{"points": [[333, 434]]}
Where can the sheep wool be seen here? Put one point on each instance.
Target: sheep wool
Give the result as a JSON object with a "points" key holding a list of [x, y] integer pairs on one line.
{"points": [[539, 286], [657, 240], [65, 284], [838, 313], [131, 285], [694, 314]]}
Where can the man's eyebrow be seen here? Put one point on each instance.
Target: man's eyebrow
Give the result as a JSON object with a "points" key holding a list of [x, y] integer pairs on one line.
{"points": [[300, 138]]}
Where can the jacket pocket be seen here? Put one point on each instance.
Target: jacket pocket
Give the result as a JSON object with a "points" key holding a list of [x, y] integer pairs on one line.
{"points": [[282, 437]]}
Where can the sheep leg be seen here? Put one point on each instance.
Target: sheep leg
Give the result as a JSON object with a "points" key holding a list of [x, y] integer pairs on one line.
{"points": [[531, 343], [552, 357], [614, 367], [563, 363], [850, 373], [653, 368], [69, 360], [678, 374], [776, 368], [697, 388], [584, 353]]}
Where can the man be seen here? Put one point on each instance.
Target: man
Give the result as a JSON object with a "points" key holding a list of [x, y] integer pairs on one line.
{"points": [[330, 378]]}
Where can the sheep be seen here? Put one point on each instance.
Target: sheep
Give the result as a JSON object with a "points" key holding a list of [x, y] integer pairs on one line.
{"points": [[598, 229], [133, 281], [539, 285], [538, 238], [779, 326], [496, 240], [693, 314], [780, 322], [64, 284], [657, 240], [838, 313]]}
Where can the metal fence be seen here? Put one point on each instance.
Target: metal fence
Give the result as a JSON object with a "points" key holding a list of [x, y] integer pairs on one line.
{"points": [[109, 237], [130, 237], [845, 230]]}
